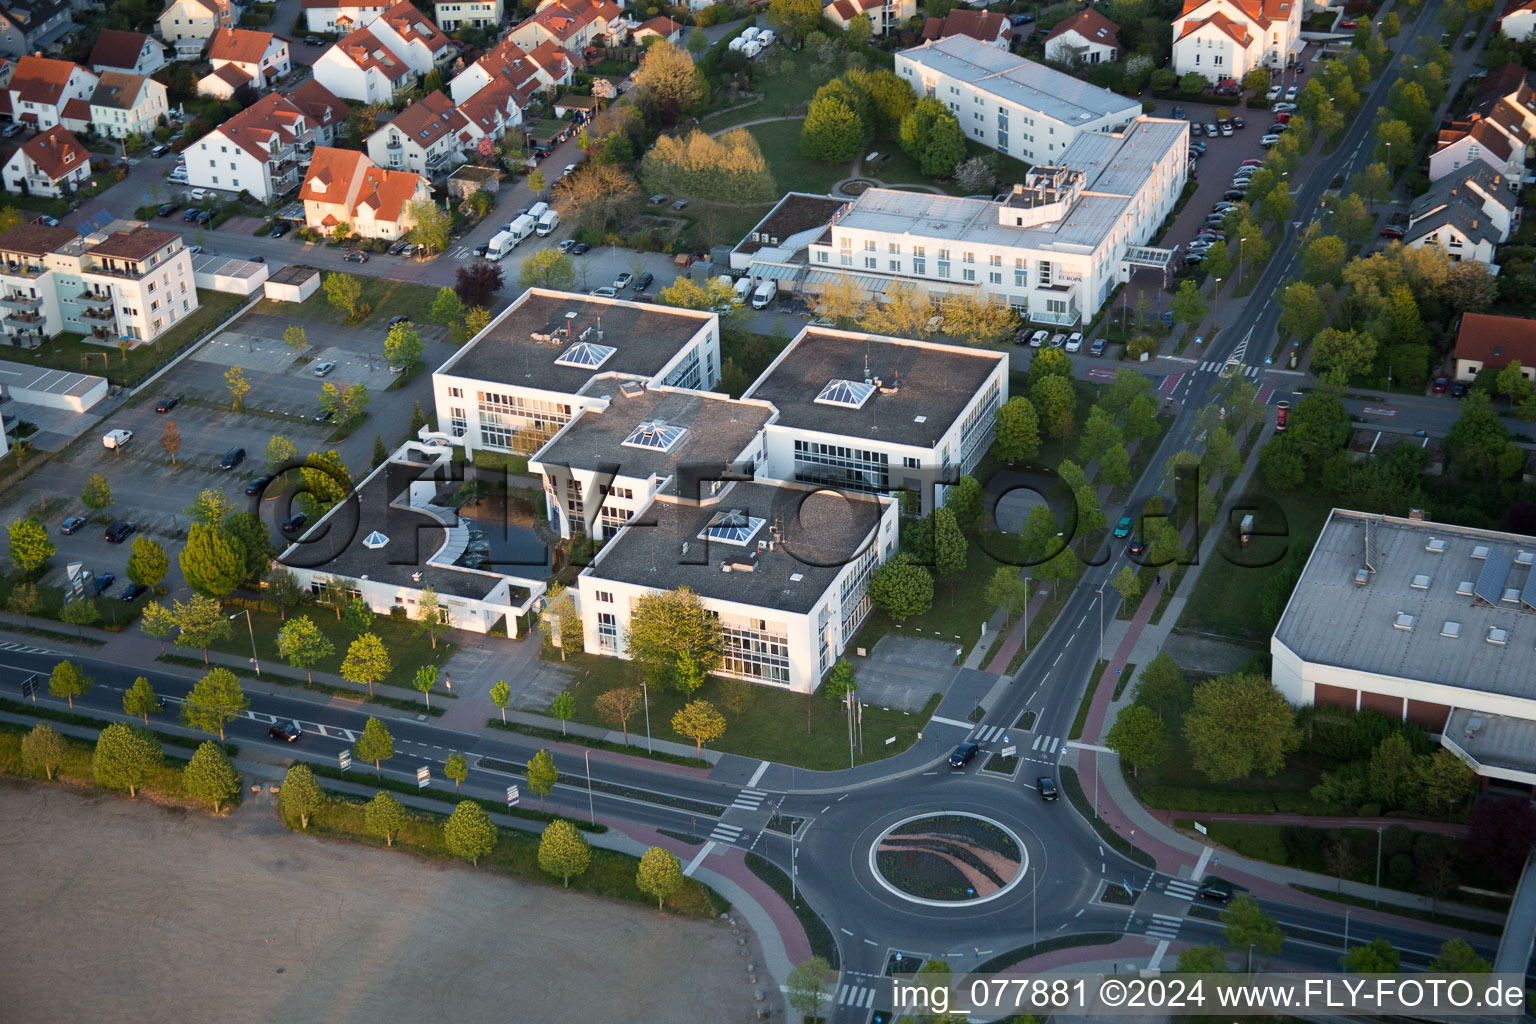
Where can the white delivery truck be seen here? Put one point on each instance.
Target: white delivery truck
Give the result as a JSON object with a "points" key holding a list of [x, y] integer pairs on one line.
{"points": [[752, 49], [764, 294], [116, 438], [521, 228], [548, 221], [748, 34], [537, 210], [500, 245], [737, 43], [743, 290]]}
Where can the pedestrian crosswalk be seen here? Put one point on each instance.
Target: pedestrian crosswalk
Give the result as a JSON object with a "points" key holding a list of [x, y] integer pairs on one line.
{"points": [[1162, 926], [749, 800], [1212, 365], [988, 733], [1170, 382], [25, 649], [724, 833], [856, 995], [1046, 744], [1180, 889]]}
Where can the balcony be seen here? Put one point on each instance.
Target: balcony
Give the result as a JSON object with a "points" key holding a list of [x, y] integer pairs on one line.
{"points": [[99, 314], [22, 303], [23, 321], [124, 270], [24, 270], [393, 144]]}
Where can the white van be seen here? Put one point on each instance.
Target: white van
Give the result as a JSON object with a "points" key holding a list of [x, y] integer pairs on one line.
{"points": [[749, 34], [743, 289], [116, 438], [503, 243], [766, 37], [752, 49], [538, 210], [764, 294], [737, 43], [548, 222]]}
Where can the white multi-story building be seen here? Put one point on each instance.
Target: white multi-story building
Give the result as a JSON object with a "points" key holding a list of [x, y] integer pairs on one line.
{"points": [[452, 15], [528, 373], [261, 150], [386, 56], [242, 57], [873, 414], [51, 164], [1010, 104], [189, 24], [132, 284], [1468, 214], [41, 87], [1085, 38], [1053, 248], [124, 105], [427, 137], [507, 63], [1500, 144], [341, 16], [132, 53], [883, 15], [1219, 39], [1427, 623], [569, 24]]}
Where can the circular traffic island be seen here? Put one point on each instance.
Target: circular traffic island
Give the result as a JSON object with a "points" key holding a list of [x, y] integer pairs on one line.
{"points": [[949, 859]]}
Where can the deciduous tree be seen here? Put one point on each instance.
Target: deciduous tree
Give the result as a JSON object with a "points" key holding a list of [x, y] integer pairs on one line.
{"points": [[1458, 957], [976, 320], [67, 681], [547, 268], [1056, 403], [595, 196], [618, 706], [209, 775], [699, 721], [469, 832], [932, 136], [670, 74], [809, 985], [126, 757], [563, 851], [140, 699], [542, 775], [402, 347], [660, 874], [384, 816], [300, 796], [1239, 725], [904, 313], [1187, 305], [1138, 736], [238, 386], [148, 563], [375, 744], [901, 588], [431, 226], [456, 768], [29, 546], [1007, 590], [43, 748], [447, 308], [1127, 583], [170, 440], [501, 696], [215, 699], [475, 285], [1342, 354], [1375, 957], [367, 661], [344, 292], [23, 599], [1016, 430], [668, 624], [97, 493], [831, 132], [1245, 924]]}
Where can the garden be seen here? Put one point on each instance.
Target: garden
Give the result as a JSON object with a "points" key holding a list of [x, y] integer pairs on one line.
{"points": [[952, 858]]}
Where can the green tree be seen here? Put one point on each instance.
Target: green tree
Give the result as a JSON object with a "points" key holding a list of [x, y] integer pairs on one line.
{"points": [[126, 757], [375, 744], [1373, 184], [380, 452], [300, 795], [563, 707], [966, 499], [809, 986], [1458, 957], [431, 616], [367, 661], [932, 136], [901, 588], [1218, 261], [209, 775], [456, 768], [1007, 590], [1115, 464], [67, 681], [797, 18], [1238, 725], [1187, 305], [1049, 362], [1301, 311], [24, 600], [43, 748], [1478, 444], [1322, 258], [1221, 455], [140, 699], [148, 563], [501, 696], [213, 562], [666, 625], [296, 337], [1090, 515], [1127, 583], [1099, 433], [30, 546], [1192, 84], [210, 507], [618, 706], [948, 545], [1207, 959], [1139, 737], [238, 386], [1401, 317], [402, 347], [542, 775], [80, 613], [831, 133], [469, 832], [1016, 430], [669, 74], [200, 623], [1056, 402], [1394, 144], [344, 292], [215, 699], [1278, 204], [660, 874], [840, 681], [697, 42], [280, 452], [699, 721], [384, 816], [1377, 957], [1351, 221], [563, 851], [447, 308], [548, 268], [1245, 924], [1342, 354], [97, 493], [431, 225]]}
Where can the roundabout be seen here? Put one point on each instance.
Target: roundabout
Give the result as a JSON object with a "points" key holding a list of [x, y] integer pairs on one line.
{"points": [[950, 859]]}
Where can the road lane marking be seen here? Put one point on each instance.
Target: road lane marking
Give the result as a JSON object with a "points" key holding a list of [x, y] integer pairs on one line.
{"points": [[1205, 858], [693, 864], [967, 726], [757, 775]]}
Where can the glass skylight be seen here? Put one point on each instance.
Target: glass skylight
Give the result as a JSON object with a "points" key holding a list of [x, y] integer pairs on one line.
{"points": [[586, 354], [848, 393], [733, 527], [655, 435]]}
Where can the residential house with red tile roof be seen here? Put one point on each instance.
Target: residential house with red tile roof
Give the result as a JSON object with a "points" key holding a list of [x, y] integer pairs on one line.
{"points": [[362, 67], [992, 29], [131, 52], [413, 36], [1488, 342], [427, 137], [884, 15], [124, 105], [345, 188], [1502, 146], [495, 109], [260, 56], [52, 163], [1518, 21], [661, 28], [1085, 38], [570, 24], [341, 16], [323, 109], [41, 86], [188, 24], [452, 15], [1219, 39], [260, 150], [1509, 85], [525, 70]]}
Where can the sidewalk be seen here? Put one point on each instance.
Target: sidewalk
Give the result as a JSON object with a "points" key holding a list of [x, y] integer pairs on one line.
{"points": [[1444, 828]]}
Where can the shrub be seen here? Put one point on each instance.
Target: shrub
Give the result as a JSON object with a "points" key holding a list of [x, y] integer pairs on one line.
{"points": [[1400, 868]]}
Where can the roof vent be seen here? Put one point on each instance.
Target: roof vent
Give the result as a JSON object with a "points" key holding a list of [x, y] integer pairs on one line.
{"points": [[1498, 636], [1464, 588], [1481, 551], [1451, 629], [1473, 725], [416, 576], [1420, 582], [1362, 577], [919, 419], [1435, 546], [1404, 621], [796, 577]]}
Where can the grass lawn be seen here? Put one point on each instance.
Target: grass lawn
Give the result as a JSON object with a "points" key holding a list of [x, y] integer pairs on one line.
{"points": [[1227, 598], [794, 85], [959, 607], [809, 731], [70, 351], [406, 652], [386, 297], [780, 143]]}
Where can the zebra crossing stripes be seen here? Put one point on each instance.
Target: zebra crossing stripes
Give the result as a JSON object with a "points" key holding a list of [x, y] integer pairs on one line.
{"points": [[1180, 889], [856, 995], [724, 833], [1213, 365], [1163, 926], [988, 733], [25, 649], [1046, 744], [749, 800]]}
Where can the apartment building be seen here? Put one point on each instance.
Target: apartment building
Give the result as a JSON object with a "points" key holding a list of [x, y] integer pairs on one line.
{"points": [[386, 56], [1468, 213], [1010, 104], [452, 15], [344, 188], [341, 16], [1219, 39], [51, 164], [1501, 142], [188, 24], [31, 26], [992, 29], [884, 15], [261, 150], [257, 59], [523, 70], [124, 104], [569, 24], [427, 137], [41, 87]]}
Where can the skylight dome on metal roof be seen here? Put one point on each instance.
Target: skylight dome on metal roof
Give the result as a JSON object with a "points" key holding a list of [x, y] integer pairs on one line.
{"points": [[375, 540], [655, 435], [850, 394], [733, 527], [586, 354]]}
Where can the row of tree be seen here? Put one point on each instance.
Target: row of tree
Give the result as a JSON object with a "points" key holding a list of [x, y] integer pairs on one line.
{"points": [[129, 757]]}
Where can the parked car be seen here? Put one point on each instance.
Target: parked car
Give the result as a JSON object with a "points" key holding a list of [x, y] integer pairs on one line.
{"points": [[1273, 94], [12, 130], [1278, 128], [394, 250], [257, 485], [232, 458], [1269, 140], [1058, 340], [1439, 386], [1290, 94], [482, 249], [280, 229], [1391, 231], [1283, 117], [166, 209], [1252, 162], [258, 258], [398, 367], [71, 524], [643, 282], [1283, 108], [408, 250], [203, 216], [322, 369], [658, 199], [178, 176], [1178, 113], [1097, 348], [396, 321], [1038, 338], [190, 215], [1075, 342], [288, 731], [567, 245], [963, 754], [1350, 23], [133, 592], [1047, 788], [119, 531], [1239, 123], [104, 581], [313, 41], [354, 256], [167, 404], [622, 281], [579, 248], [294, 523], [1223, 206], [1211, 129], [1226, 130], [1460, 389], [605, 292], [197, 195], [1123, 527], [1195, 131], [1215, 889]]}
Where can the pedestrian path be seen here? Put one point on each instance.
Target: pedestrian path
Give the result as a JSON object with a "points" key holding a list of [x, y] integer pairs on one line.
{"points": [[748, 800], [1046, 744], [724, 833], [1215, 365], [28, 649], [1163, 926], [857, 996], [1180, 889]]}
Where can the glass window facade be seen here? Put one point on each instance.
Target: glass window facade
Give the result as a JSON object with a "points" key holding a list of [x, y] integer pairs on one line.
{"points": [[840, 466], [756, 650]]}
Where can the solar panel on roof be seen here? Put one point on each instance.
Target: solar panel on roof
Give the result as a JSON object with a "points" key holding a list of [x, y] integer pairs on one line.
{"points": [[584, 353], [1490, 582], [848, 393]]}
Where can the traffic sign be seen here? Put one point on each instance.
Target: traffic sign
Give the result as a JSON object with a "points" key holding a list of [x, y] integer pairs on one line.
{"points": [[1010, 751], [29, 687], [511, 796], [423, 776], [345, 759]]}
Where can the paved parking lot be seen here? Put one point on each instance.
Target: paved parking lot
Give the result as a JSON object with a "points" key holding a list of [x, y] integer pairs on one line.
{"points": [[1223, 155]]}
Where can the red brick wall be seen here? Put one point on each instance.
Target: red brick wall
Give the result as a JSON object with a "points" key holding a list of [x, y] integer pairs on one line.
{"points": [[1334, 696]]}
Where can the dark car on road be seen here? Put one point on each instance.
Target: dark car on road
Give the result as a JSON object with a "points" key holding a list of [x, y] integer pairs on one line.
{"points": [[119, 531], [1439, 386], [962, 755], [1137, 547], [166, 209], [355, 256], [288, 731], [294, 523], [1047, 786], [104, 581], [579, 248], [232, 458], [257, 485], [133, 592], [167, 404], [1459, 389], [71, 524], [1216, 889], [280, 229], [643, 282]]}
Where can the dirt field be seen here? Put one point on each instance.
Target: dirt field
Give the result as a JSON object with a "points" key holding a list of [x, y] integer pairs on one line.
{"points": [[124, 911]]}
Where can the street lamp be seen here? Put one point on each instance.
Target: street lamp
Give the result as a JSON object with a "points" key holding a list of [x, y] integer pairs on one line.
{"points": [[1250, 957], [1240, 242], [1378, 866], [1027, 582], [646, 695], [1216, 304], [1101, 622], [253, 639], [591, 812]]}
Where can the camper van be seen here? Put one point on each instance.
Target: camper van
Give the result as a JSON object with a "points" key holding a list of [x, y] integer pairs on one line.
{"points": [[748, 34], [548, 222], [764, 294]]}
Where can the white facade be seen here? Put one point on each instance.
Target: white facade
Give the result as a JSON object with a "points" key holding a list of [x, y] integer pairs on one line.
{"points": [[1519, 23], [1010, 104], [52, 164], [40, 87], [370, 73], [452, 15], [263, 68], [1070, 47], [124, 105], [1227, 38], [341, 17], [188, 24], [1484, 142]]}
